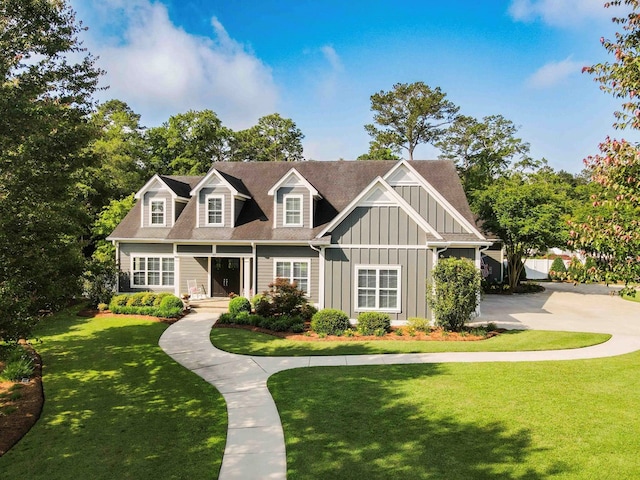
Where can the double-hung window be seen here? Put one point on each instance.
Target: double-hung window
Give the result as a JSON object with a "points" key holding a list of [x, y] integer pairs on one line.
{"points": [[293, 210], [295, 271], [157, 212], [215, 210], [153, 272], [378, 288]]}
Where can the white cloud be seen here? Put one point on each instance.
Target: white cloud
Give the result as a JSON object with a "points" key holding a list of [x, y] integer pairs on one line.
{"points": [[160, 69], [553, 73], [328, 78], [559, 12]]}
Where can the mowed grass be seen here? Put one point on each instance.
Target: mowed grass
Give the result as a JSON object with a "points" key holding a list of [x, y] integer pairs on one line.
{"points": [[246, 342], [117, 407], [632, 298], [565, 420]]}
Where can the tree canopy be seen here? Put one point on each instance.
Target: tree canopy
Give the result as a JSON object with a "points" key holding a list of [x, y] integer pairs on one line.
{"points": [[409, 115], [273, 139], [46, 86], [482, 149]]}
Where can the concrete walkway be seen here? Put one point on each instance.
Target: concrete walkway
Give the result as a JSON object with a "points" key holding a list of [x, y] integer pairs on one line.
{"points": [[255, 441]]}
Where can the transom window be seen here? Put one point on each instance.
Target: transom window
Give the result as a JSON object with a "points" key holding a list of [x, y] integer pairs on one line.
{"points": [[293, 210], [157, 212], [378, 288], [295, 271], [153, 271], [215, 210]]}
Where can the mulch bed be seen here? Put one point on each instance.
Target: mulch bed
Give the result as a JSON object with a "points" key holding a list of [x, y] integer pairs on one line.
{"points": [[437, 335], [25, 410]]}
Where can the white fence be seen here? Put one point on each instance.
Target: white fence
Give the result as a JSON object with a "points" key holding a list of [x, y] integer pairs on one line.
{"points": [[538, 268]]}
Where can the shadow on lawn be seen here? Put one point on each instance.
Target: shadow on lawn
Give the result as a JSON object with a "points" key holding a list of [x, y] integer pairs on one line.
{"points": [[358, 422], [116, 406]]}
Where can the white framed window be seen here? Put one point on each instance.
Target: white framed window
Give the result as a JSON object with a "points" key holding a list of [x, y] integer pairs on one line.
{"points": [[157, 213], [215, 210], [292, 210], [152, 271], [297, 271], [377, 288]]}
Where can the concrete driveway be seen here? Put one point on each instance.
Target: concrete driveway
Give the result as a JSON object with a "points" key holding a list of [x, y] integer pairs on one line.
{"points": [[563, 306]]}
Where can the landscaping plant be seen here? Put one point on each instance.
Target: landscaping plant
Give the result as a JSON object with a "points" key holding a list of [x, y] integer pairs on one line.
{"points": [[373, 323], [455, 292], [239, 304], [330, 321], [558, 270]]}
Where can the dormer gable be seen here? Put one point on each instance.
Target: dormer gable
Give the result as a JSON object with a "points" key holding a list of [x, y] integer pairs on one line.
{"points": [[162, 201], [294, 201], [219, 199], [404, 178]]}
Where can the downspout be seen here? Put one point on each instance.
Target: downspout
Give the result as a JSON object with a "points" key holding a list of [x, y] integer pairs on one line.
{"points": [[255, 268], [117, 260], [321, 286]]}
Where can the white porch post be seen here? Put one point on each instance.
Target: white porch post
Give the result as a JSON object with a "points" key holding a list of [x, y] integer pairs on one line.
{"points": [[176, 279], [246, 278]]}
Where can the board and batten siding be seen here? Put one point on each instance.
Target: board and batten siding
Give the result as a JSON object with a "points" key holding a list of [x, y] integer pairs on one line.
{"points": [[340, 279], [128, 250], [168, 208], [306, 198], [266, 254], [430, 209], [384, 225], [194, 268], [227, 207]]}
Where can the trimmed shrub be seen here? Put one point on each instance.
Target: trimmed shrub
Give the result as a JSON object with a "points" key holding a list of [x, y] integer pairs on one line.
{"points": [[148, 299], [102, 307], [242, 318], [417, 323], [118, 301], [330, 321], [226, 319], [284, 298], [558, 270], [455, 292], [131, 304], [256, 298], [372, 323], [160, 297], [307, 311], [575, 271], [239, 304]]}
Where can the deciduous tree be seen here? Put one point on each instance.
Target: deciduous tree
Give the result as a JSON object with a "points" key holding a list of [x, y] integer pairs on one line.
{"points": [[46, 86], [409, 115], [273, 139]]}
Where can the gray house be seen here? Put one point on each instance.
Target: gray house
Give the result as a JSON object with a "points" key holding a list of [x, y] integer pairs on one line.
{"points": [[357, 236]]}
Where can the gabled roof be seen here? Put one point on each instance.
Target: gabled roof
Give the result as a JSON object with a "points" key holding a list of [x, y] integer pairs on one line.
{"points": [[338, 183], [234, 184], [390, 196], [300, 179], [176, 186]]}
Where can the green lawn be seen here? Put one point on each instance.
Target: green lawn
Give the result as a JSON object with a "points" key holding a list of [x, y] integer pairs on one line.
{"points": [[253, 343], [117, 407], [634, 298], [573, 420]]}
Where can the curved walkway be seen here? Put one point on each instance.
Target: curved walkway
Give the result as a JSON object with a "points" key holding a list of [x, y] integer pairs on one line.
{"points": [[255, 446]]}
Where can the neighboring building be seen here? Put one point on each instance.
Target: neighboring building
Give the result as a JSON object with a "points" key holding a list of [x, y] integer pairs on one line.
{"points": [[357, 236]]}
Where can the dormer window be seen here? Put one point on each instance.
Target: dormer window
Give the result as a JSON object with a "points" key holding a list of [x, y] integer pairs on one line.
{"points": [[215, 210], [157, 213], [293, 210]]}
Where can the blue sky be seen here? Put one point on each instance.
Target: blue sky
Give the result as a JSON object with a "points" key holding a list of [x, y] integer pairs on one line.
{"points": [[319, 62]]}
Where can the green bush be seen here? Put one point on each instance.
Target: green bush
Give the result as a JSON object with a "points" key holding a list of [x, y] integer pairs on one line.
{"points": [[330, 321], [239, 304], [307, 311], [371, 322], [102, 307], [455, 292], [167, 306], [17, 369], [282, 298], [100, 282], [159, 297], [558, 270], [226, 319], [135, 300], [118, 301], [417, 323], [148, 299], [576, 271], [256, 298]]}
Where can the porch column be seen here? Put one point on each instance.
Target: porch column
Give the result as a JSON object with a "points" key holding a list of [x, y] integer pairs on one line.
{"points": [[246, 278]]}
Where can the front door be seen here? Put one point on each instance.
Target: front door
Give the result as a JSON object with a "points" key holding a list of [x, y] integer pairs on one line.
{"points": [[225, 276]]}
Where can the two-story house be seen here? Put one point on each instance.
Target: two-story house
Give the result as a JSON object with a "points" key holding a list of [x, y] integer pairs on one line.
{"points": [[357, 236]]}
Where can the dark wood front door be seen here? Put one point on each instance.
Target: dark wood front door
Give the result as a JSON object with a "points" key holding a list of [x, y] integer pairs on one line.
{"points": [[225, 276]]}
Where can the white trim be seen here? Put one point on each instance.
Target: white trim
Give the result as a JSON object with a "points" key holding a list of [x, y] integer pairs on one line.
{"points": [[146, 257], [286, 197], [147, 187], [291, 260], [401, 202], [205, 180], [212, 196], [438, 197], [164, 212], [301, 182], [377, 308]]}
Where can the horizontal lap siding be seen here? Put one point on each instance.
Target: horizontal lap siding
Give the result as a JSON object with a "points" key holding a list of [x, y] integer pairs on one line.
{"points": [[168, 206], [341, 283], [266, 266], [202, 204], [194, 269], [128, 250]]}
